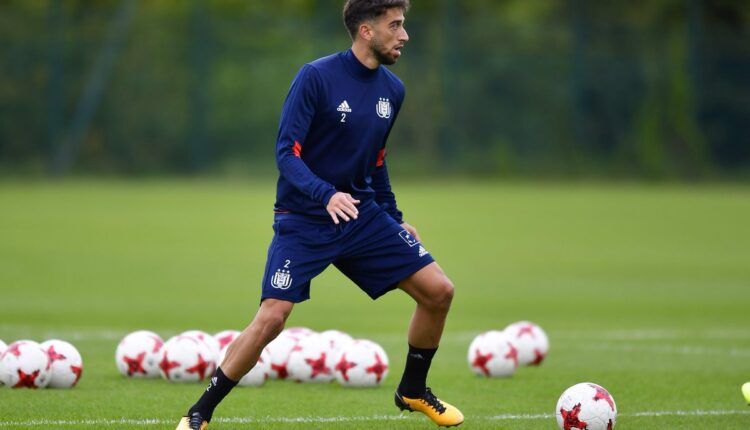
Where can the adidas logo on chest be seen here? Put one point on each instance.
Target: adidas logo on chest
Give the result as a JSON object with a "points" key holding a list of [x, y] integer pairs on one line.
{"points": [[344, 107]]}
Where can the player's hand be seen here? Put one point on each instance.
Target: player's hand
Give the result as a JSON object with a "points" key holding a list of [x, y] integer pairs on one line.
{"points": [[342, 205], [412, 231]]}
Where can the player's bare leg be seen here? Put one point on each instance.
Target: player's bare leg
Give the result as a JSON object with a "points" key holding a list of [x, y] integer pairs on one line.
{"points": [[242, 355], [433, 292]]}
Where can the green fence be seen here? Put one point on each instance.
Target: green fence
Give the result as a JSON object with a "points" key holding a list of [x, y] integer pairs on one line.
{"points": [[658, 88]]}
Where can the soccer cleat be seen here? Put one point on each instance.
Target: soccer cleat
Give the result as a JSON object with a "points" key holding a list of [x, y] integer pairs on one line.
{"points": [[194, 422], [440, 412]]}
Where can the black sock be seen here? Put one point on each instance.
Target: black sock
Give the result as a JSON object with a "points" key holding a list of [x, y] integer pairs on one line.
{"points": [[414, 380], [217, 389]]}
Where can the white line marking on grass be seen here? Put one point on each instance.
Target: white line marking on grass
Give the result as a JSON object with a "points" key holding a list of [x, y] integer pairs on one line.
{"points": [[699, 413], [343, 419]]}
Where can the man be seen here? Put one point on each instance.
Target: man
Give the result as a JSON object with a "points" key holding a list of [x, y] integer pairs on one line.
{"points": [[334, 205]]}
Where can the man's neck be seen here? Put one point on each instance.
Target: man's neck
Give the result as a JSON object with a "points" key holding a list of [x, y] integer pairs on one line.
{"points": [[364, 55]]}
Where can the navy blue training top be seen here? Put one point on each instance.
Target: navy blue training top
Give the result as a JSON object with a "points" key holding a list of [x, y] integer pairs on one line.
{"points": [[332, 134]]}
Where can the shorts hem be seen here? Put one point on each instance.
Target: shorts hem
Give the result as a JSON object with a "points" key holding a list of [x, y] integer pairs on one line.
{"points": [[400, 276], [284, 298]]}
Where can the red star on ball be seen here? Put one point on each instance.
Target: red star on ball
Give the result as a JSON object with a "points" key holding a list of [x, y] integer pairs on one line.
{"points": [[225, 340], [14, 349], [77, 370], [318, 365], [157, 344], [165, 365], [602, 394], [26, 380], [571, 420], [538, 358], [512, 354], [378, 368], [200, 367], [280, 369], [343, 366], [54, 355], [481, 361], [135, 365], [526, 329]]}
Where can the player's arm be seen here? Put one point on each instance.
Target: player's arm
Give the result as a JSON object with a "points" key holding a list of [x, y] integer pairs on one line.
{"points": [[296, 116]]}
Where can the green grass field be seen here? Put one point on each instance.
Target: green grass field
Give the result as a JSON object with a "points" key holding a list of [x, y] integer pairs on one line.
{"points": [[642, 289]]}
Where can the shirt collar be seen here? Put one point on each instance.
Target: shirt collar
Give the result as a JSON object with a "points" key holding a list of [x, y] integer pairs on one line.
{"points": [[357, 69]]}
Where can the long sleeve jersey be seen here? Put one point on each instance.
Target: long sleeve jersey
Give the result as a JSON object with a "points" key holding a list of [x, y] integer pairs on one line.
{"points": [[332, 135]]}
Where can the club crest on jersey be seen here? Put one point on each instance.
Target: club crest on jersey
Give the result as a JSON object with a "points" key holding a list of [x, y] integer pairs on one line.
{"points": [[383, 108], [282, 279], [408, 238]]}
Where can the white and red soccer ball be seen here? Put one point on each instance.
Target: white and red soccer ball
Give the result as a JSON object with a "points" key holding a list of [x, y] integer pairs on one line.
{"points": [[66, 362], [297, 333], [493, 354], [335, 339], [312, 360], [186, 359], [586, 406], [362, 363], [206, 338], [224, 338], [138, 354], [257, 375], [24, 364], [531, 341], [278, 351]]}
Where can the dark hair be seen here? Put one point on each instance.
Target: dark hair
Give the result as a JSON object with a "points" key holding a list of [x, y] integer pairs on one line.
{"points": [[356, 11]]}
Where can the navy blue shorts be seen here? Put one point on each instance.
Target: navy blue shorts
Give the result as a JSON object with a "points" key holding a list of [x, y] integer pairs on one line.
{"points": [[374, 251]]}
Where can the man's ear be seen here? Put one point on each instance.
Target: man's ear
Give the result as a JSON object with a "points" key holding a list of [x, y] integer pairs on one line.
{"points": [[365, 31]]}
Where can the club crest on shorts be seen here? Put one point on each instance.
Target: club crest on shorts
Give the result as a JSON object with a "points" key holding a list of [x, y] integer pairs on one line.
{"points": [[282, 279], [408, 238], [383, 108]]}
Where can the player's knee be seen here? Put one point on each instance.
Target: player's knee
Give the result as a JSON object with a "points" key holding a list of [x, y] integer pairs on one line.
{"points": [[273, 324], [272, 321], [443, 295]]}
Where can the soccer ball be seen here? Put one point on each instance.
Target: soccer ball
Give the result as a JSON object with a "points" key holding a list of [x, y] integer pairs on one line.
{"points": [[335, 339], [226, 337], [257, 375], [362, 363], [25, 364], [531, 341], [186, 359], [586, 406], [297, 333], [278, 353], [493, 354], [138, 354], [311, 361], [3, 347], [67, 364], [206, 338]]}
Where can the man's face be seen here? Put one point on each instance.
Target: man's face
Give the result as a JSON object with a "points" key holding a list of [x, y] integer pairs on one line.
{"points": [[388, 36]]}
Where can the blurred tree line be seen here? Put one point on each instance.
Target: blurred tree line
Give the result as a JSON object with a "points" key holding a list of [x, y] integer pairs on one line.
{"points": [[653, 88]]}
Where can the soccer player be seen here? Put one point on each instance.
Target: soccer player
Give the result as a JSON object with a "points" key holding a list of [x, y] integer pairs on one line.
{"points": [[334, 205]]}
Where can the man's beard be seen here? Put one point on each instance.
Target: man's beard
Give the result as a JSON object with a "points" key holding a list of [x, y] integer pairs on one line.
{"points": [[381, 53]]}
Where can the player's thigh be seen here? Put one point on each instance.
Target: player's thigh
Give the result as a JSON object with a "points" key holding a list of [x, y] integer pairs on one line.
{"points": [[429, 285]]}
